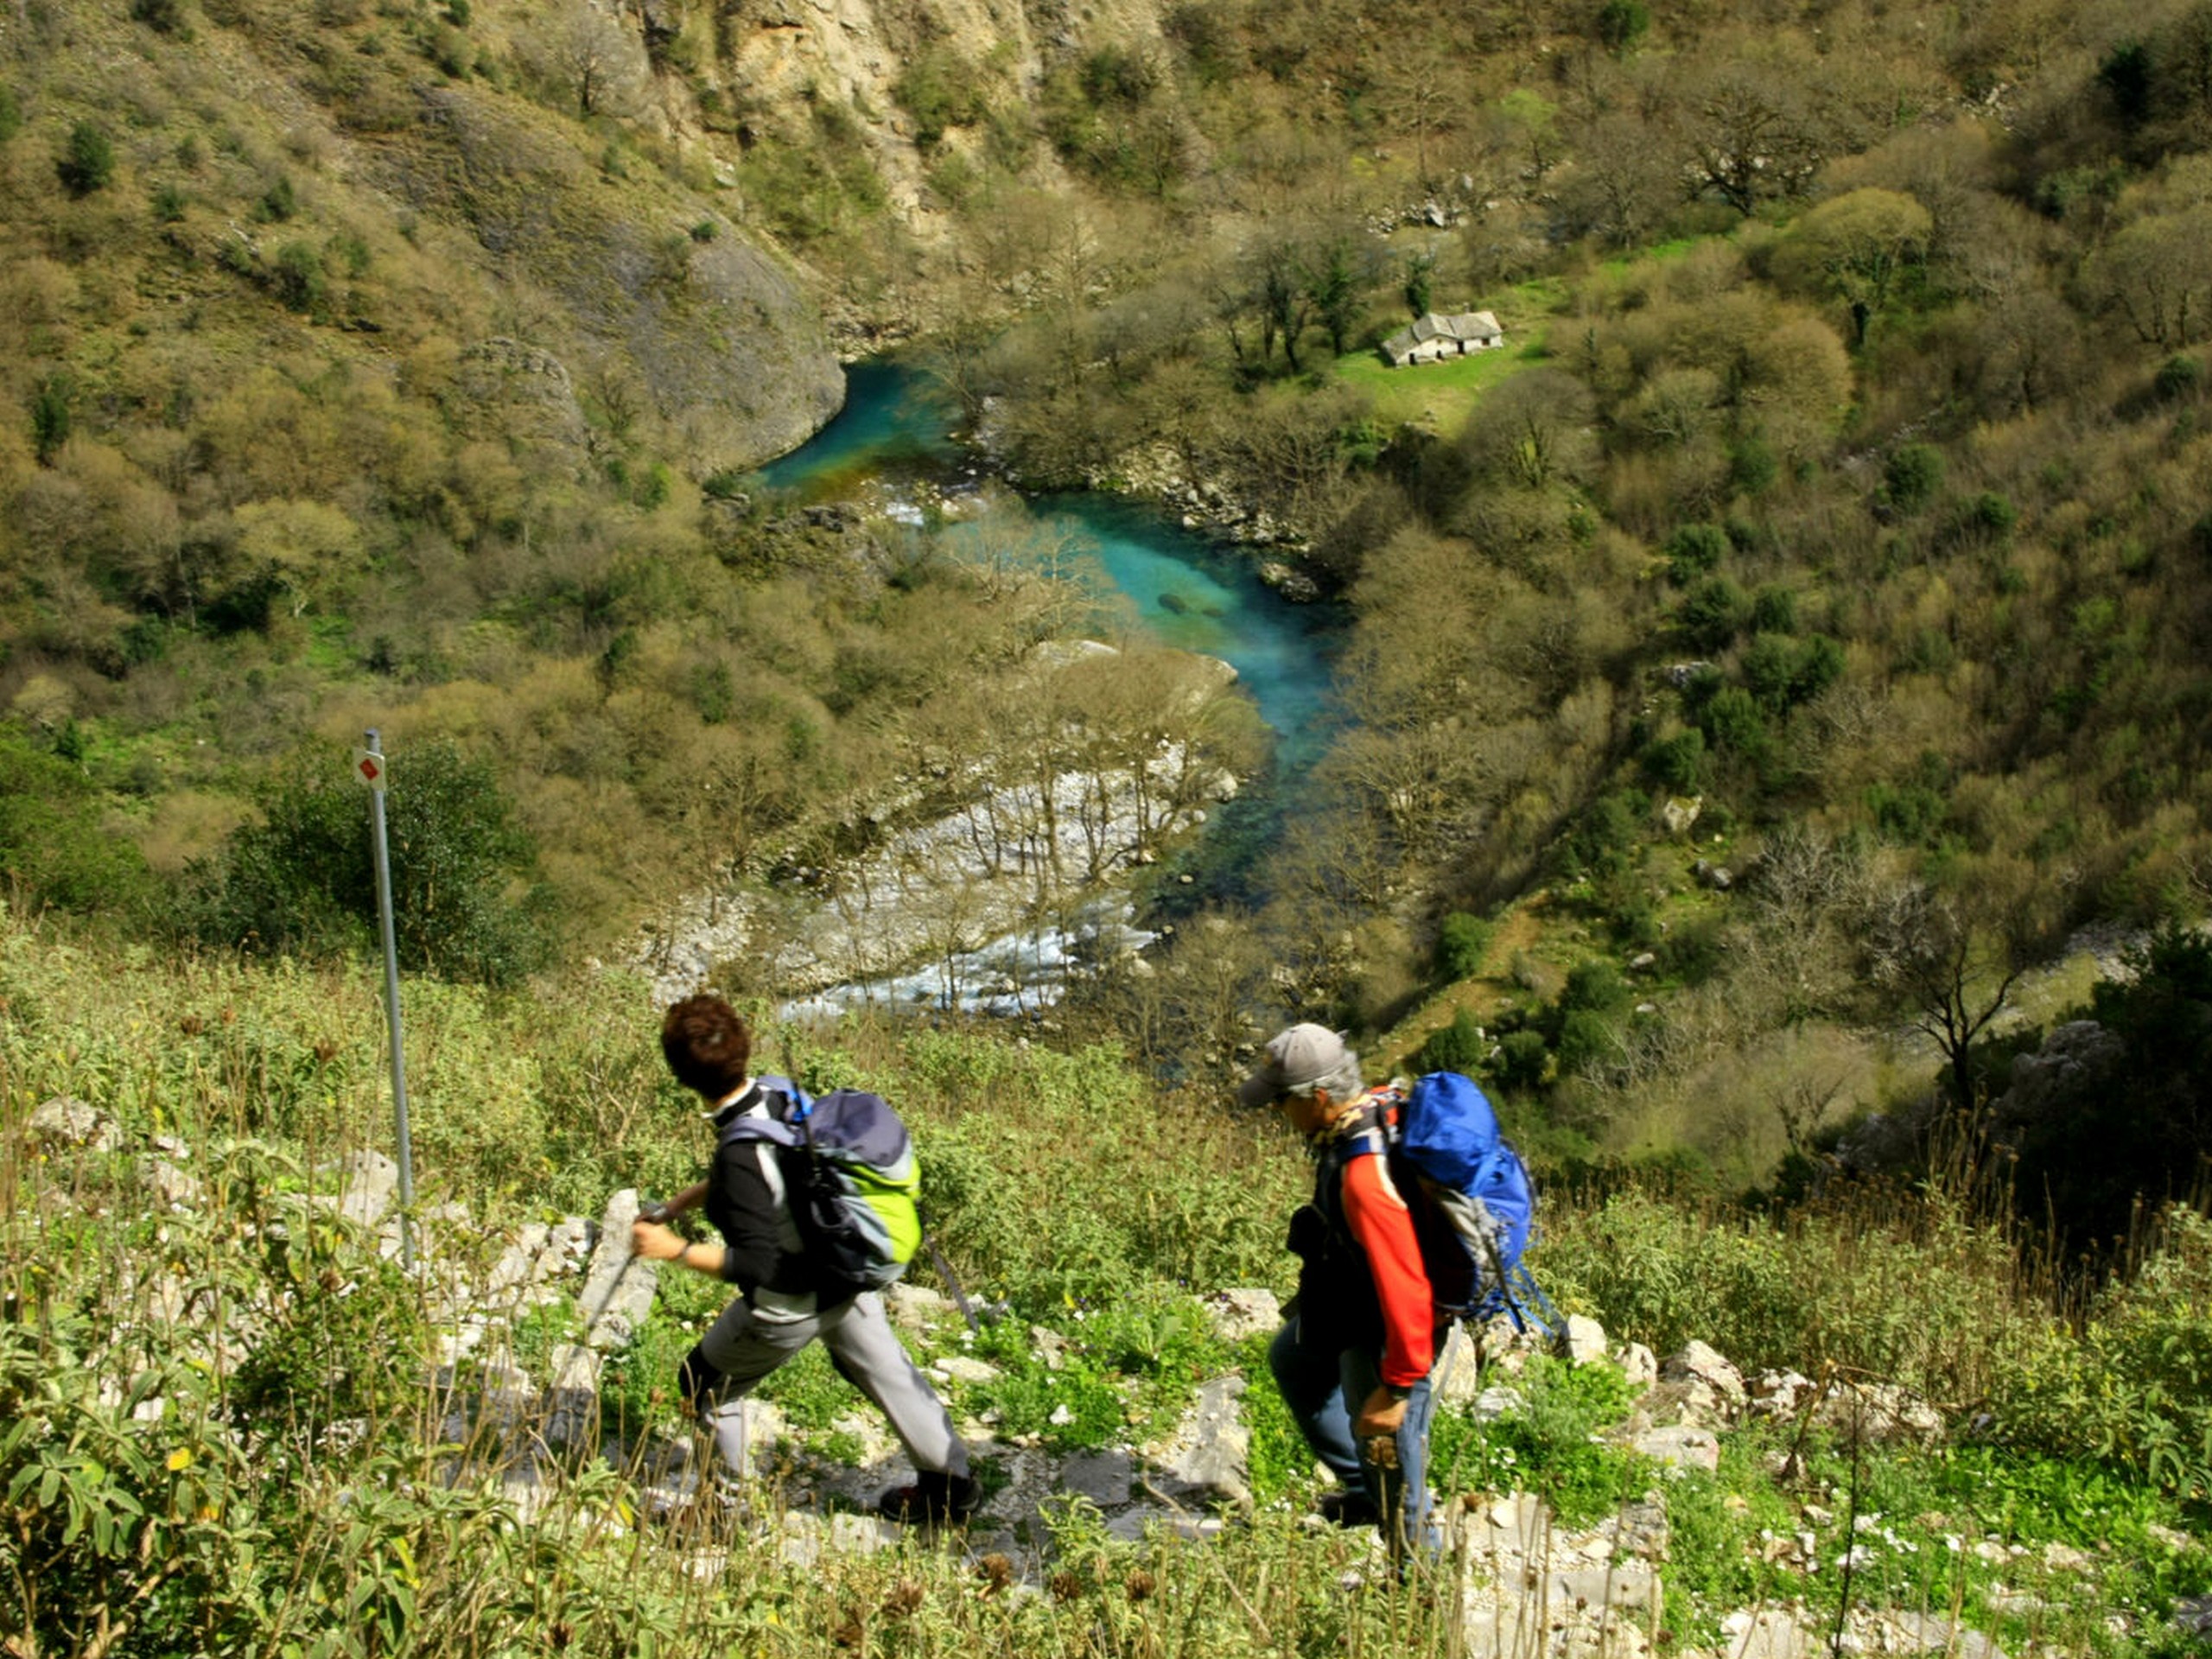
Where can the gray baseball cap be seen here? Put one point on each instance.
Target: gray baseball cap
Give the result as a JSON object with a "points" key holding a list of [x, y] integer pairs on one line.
{"points": [[1303, 1054]]}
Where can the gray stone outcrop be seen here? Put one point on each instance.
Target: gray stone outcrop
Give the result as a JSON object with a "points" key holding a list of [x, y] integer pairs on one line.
{"points": [[619, 1286]]}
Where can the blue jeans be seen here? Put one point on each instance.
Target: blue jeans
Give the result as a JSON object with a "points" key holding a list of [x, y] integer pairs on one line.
{"points": [[1323, 1385]]}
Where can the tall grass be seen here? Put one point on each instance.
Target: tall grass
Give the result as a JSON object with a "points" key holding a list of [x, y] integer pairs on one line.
{"points": [[230, 1425]]}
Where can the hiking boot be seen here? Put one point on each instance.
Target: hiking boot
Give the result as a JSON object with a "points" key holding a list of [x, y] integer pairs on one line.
{"points": [[1342, 1509], [934, 1499]]}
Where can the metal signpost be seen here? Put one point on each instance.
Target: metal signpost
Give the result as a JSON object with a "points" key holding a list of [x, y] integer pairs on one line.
{"points": [[369, 767]]}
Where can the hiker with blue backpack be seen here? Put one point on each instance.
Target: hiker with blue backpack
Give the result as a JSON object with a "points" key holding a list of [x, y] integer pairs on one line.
{"points": [[814, 1202], [1419, 1214]]}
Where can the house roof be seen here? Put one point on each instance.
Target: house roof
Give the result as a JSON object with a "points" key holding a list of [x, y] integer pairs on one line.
{"points": [[1461, 325], [1458, 325]]}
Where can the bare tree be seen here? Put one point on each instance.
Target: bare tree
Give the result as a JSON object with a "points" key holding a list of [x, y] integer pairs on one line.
{"points": [[585, 48], [1954, 977]]}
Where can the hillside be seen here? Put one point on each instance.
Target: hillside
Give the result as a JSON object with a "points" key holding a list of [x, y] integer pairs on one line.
{"points": [[234, 1418], [1795, 634]]}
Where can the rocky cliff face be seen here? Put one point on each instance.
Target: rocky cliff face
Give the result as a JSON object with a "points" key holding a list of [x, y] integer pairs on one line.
{"points": [[777, 56], [721, 336]]}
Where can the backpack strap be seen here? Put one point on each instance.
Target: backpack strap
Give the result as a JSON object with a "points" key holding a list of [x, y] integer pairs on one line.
{"points": [[786, 1129]]}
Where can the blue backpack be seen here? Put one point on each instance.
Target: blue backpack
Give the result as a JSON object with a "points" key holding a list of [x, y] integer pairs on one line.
{"points": [[1482, 1208], [858, 1202]]}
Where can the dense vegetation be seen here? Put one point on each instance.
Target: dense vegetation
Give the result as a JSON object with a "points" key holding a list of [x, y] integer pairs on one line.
{"points": [[1796, 631], [1842, 479], [229, 1422]]}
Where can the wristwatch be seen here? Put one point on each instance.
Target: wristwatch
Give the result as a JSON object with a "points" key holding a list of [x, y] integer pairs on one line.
{"points": [[1398, 1391]]}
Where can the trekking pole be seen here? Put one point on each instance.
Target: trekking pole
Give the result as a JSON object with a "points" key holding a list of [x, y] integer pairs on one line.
{"points": [[951, 1282]]}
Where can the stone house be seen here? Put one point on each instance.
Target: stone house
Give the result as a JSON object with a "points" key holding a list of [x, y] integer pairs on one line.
{"points": [[1436, 336]]}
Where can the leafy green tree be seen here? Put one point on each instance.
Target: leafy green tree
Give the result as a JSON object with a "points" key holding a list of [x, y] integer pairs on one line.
{"points": [[1421, 278], [1621, 24], [1694, 550], [1855, 248], [87, 161], [465, 897], [1712, 612], [1522, 1057], [1913, 475], [166, 17], [2142, 1126], [1333, 282], [1460, 1046], [52, 415]]}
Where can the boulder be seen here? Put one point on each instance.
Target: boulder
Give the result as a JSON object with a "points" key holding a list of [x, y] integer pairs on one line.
{"points": [[1710, 1382]]}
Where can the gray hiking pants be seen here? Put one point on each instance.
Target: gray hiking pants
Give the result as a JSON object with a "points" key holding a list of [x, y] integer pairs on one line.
{"points": [[745, 1347]]}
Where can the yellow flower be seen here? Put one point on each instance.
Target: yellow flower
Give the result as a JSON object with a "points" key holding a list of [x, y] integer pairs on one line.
{"points": [[180, 1459]]}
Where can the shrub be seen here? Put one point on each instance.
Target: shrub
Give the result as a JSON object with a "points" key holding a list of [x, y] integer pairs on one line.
{"points": [[941, 90], [1596, 985], [1622, 24], [1712, 613], [53, 848], [1694, 550], [302, 881], [2178, 379], [1913, 476], [87, 161], [1462, 942], [1523, 1056], [1677, 763], [1752, 466], [298, 277], [1461, 1046], [279, 202], [165, 15], [12, 114], [1605, 838], [53, 414], [1773, 609], [2130, 1390], [1735, 724]]}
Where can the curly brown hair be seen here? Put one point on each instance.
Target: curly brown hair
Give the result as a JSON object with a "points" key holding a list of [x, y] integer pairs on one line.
{"points": [[708, 1044]]}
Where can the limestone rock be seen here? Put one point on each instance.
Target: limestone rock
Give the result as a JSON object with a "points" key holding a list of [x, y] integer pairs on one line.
{"points": [[1681, 1446], [171, 1187], [1101, 1477], [716, 337], [1709, 1378], [1639, 1365], [371, 1181], [1208, 1460], [1244, 1312], [619, 1286], [66, 1122], [1586, 1339]]}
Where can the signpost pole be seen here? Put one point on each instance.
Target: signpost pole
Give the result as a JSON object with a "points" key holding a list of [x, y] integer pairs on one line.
{"points": [[370, 765]]}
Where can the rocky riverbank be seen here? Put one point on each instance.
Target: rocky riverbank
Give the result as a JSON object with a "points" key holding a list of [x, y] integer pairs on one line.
{"points": [[989, 906]]}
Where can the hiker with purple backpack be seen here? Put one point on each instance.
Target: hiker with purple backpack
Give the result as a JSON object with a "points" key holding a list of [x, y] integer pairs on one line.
{"points": [[798, 1277]]}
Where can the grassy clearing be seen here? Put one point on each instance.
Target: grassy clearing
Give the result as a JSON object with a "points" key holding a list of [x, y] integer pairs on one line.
{"points": [[1435, 397]]}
